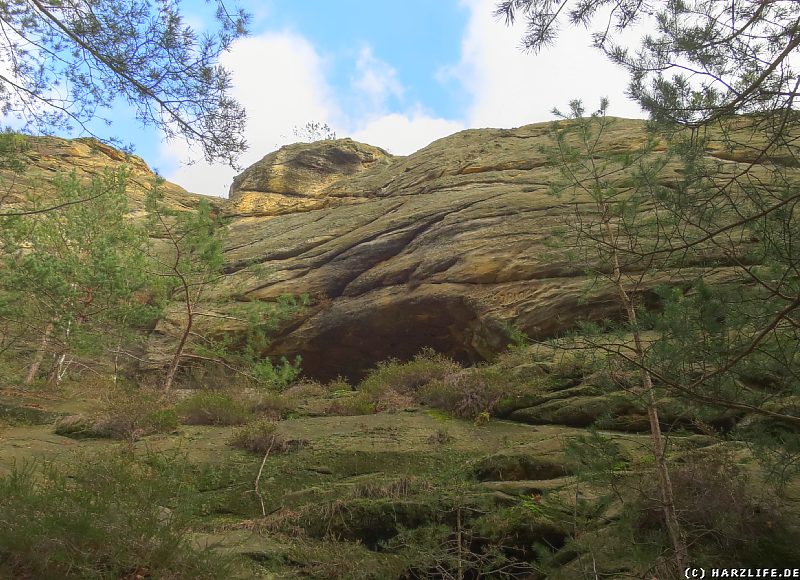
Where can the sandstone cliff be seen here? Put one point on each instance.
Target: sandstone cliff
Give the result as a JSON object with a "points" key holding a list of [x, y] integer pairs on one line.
{"points": [[446, 248], [43, 158]]}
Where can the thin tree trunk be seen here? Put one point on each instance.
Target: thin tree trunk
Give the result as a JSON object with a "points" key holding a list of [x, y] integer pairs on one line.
{"points": [[58, 370], [117, 353], [187, 301], [664, 481], [657, 438], [176, 359], [257, 486], [40, 352], [55, 370], [116, 362], [460, 540]]}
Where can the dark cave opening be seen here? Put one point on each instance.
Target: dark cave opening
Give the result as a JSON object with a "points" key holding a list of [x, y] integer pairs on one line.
{"points": [[349, 342]]}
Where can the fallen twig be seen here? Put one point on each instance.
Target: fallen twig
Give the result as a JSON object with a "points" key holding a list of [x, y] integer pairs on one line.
{"points": [[258, 477]]}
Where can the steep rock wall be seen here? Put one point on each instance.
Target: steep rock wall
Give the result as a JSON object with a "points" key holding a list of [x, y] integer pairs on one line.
{"points": [[446, 248]]}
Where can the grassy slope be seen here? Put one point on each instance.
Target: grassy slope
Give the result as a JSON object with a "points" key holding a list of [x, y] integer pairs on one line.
{"points": [[383, 494]]}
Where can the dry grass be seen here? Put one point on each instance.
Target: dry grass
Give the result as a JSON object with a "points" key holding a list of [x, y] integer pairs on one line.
{"points": [[351, 405], [274, 405], [261, 436], [129, 415], [394, 489], [213, 408]]}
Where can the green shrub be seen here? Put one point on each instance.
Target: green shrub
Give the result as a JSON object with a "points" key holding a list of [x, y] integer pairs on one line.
{"points": [[213, 408], [723, 512], [260, 436], [466, 394], [406, 378], [274, 405], [352, 405], [129, 415], [110, 516], [279, 375]]}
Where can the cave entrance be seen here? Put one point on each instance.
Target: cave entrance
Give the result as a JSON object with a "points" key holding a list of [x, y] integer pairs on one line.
{"points": [[351, 341]]}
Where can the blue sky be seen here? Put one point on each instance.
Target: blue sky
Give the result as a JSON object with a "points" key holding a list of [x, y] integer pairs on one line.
{"points": [[394, 74], [418, 38]]}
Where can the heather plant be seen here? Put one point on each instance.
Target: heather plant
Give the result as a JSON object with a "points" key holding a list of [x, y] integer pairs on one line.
{"points": [[406, 378], [110, 515], [128, 414], [213, 408], [465, 394], [260, 437]]}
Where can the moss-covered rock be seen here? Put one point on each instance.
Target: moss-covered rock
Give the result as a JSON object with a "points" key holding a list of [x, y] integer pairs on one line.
{"points": [[517, 467], [522, 527], [25, 415]]}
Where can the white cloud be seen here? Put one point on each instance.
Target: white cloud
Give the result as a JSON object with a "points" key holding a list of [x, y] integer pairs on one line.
{"points": [[510, 88], [400, 133], [376, 79], [403, 134], [279, 78]]}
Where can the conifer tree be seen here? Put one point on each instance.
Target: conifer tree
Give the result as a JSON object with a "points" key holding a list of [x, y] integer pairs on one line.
{"points": [[189, 262], [719, 84], [67, 62], [608, 235], [71, 276], [188, 257]]}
